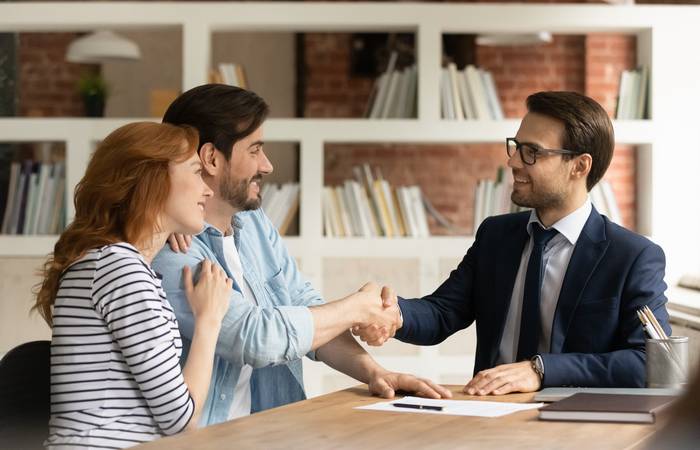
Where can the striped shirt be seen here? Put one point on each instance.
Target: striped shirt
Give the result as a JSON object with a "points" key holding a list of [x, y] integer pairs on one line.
{"points": [[116, 379]]}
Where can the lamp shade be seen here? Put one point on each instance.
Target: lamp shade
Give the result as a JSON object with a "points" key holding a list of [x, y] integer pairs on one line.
{"points": [[101, 46], [506, 39]]}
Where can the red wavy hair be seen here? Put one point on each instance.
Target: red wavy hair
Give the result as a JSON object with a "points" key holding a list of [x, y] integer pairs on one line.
{"points": [[120, 197]]}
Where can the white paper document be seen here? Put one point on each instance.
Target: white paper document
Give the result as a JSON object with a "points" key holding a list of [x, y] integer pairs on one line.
{"points": [[452, 407]]}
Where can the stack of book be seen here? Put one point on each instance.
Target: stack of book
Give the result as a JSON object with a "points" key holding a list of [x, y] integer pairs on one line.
{"points": [[35, 199], [229, 73], [394, 93], [492, 198], [280, 203], [632, 99], [469, 94], [369, 206]]}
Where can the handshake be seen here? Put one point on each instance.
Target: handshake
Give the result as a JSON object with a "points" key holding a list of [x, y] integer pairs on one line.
{"points": [[379, 312]]}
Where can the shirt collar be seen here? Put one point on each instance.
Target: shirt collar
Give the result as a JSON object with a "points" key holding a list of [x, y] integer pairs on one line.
{"points": [[236, 224], [569, 226]]}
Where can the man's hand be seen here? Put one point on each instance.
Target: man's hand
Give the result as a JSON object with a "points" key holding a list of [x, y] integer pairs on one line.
{"points": [[385, 384], [180, 243], [376, 334], [504, 379]]}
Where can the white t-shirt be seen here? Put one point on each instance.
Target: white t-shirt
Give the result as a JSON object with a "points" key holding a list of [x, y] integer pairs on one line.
{"points": [[241, 395]]}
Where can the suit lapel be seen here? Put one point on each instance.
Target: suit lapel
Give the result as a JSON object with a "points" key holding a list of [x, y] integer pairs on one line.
{"points": [[589, 250], [507, 264]]}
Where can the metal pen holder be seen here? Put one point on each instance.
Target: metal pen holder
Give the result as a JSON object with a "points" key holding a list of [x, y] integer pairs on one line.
{"points": [[667, 362]]}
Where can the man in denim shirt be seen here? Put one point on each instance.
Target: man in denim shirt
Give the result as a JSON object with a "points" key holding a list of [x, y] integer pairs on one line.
{"points": [[275, 316]]}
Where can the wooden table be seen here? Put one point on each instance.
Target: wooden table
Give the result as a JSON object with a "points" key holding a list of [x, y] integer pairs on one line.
{"points": [[330, 422]]}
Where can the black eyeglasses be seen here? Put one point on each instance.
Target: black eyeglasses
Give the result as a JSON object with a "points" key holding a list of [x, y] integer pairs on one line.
{"points": [[530, 152]]}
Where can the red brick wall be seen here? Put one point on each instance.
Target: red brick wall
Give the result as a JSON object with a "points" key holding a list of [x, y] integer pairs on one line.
{"points": [[47, 84], [606, 56], [522, 70], [329, 90]]}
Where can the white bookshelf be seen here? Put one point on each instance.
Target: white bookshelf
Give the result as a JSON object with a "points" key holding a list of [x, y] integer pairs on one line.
{"points": [[669, 152]]}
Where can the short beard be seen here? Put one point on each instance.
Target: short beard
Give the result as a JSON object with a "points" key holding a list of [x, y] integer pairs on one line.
{"points": [[236, 193], [539, 201]]}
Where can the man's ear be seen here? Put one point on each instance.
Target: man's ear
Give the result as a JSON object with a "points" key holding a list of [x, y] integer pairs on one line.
{"points": [[210, 161], [582, 166]]}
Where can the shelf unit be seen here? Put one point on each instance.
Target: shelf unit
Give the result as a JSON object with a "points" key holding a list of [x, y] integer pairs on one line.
{"points": [[668, 149]]}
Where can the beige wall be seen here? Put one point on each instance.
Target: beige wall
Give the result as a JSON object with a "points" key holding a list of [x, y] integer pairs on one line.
{"points": [[130, 82], [17, 325]]}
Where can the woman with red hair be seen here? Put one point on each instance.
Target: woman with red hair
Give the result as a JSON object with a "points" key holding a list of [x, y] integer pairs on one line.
{"points": [[116, 378]]}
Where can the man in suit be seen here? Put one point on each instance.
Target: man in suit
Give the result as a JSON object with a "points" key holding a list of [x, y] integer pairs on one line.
{"points": [[554, 291]]}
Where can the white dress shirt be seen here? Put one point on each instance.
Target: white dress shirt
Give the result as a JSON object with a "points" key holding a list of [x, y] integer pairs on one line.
{"points": [[241, 395], [555, 259]]}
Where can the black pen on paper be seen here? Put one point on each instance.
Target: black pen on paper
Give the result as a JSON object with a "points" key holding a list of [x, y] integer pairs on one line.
{"points": [[411, 405]]}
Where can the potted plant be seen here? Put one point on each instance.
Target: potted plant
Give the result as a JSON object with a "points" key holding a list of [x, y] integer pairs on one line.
{"points": [[93, 90]]}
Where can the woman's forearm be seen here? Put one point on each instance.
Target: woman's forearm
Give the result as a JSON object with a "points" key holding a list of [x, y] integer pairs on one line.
{"points": [[198, 368]]}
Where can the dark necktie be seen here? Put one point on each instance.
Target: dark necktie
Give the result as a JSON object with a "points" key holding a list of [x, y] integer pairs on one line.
{"points": [[530, 318]]}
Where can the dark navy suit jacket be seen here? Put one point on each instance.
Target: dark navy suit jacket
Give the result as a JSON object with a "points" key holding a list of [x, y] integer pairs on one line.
{"points": [[597, 339]]}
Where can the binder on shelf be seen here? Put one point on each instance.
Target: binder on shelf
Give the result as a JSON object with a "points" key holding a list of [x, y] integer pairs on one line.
{"points": [[394, 93], [469, 94], [490, 87], [478, 91], [454, 91], [633, 94], [12, 190], [229, 73], [34, 203], [446, 98]]}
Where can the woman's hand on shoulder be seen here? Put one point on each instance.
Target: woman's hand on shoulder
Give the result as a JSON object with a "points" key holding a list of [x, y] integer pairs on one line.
{"points": [[180, 243], [209, 298]]}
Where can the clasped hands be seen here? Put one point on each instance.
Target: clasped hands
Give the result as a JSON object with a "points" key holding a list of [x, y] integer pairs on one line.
{"points": [[382, 317], [499, 380]]}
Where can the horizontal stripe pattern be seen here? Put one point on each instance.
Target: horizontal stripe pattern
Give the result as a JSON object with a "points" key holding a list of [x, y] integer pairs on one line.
{"points": [[116, 379]]}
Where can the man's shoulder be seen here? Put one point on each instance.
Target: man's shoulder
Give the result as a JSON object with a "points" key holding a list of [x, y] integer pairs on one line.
{"points": [[627, 240], [502, 222], [168, 259]]}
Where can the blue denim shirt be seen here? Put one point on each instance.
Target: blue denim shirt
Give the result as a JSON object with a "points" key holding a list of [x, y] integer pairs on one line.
{"points": [[271, 336]]}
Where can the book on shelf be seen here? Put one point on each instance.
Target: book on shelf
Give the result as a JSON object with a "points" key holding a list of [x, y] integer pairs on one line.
{"points": [[394, 93], [589, 407], [35, 199], [280, 203], [469, 94], [453, 91], [232, 74], [369, 206], [633, 94]]}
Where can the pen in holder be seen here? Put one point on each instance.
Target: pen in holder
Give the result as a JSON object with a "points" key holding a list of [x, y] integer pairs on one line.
{"points": [[667, 362], [667, 357]]}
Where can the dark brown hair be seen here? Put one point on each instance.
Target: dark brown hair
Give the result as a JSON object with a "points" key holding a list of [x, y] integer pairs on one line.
{"points": [[222, 114], [587, 127]]}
